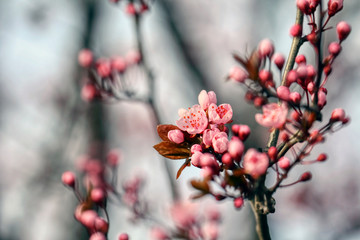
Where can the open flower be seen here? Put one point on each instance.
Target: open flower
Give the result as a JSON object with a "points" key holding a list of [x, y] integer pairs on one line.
{"points": [[221, 114], [255, 163], [274, 115], [193, 120]]}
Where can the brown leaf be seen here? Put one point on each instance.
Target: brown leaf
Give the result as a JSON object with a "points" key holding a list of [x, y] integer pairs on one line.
{"points": [[164, 129], [251, 64], [201, 185], [198, 195], [186, 164], [172, 150]]}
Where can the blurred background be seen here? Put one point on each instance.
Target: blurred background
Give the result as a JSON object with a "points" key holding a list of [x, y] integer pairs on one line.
{"points": [[45, 125]]}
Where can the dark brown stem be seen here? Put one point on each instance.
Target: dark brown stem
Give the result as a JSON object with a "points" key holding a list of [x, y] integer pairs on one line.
{"points": [[262, 227]]}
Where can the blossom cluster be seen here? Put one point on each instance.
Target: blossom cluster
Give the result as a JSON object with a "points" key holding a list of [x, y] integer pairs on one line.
{"points": [[107, 77]]}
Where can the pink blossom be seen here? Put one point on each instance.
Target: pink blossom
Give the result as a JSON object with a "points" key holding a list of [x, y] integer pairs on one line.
{"points": [[334, 48], [220, 142], [238, 202], [176, 136], [283, 93], [220, 114], [279, 60], [208, 136], [118, 64], [296, 30], [284, 163], [274, 115], [196, 148], [68, 178], [193, 120], [255, 163], [206, 98], [124, 236]]}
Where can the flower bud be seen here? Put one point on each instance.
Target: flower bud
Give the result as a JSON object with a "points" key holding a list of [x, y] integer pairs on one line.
{"points": [[300, 59], [337, 114], [334, 6], [238, 202], [266, 48], [322, 157], [118, 64], [244, 132], [343, 30], [85, 58], [226, 159], [176, 136], [279, 60], [236, 148], [124, 236], [284, 163], [130, 9], [296, 30], [295, 98], [283, 93], [97, 195], [306, 176], [272, 152], [97, 236], [68, 178], [334, 48], [196, 148]]}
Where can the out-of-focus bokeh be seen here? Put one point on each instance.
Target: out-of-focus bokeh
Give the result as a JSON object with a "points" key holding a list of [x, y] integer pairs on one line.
{"points": [[45, 126]]}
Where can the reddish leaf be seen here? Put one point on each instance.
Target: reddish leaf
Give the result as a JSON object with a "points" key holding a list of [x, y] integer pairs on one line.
{"points": [[186, 164], [164, 129], [172, 150], [201, 185], [251, 64]]}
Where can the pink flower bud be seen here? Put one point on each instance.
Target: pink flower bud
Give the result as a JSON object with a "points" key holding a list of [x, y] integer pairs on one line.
{"points": [[311, 87], [124, 236], [296, 30], [259, 101], [244, 132], [101, 225], [272, 152], [265, 48], [220, 142], [208, 136], [279, 60], [337, 114], [68, 178], [144, 7], [195, 159], [208, 160], [265, 76], [97, 195], [304, 6], [87, 218], [236, 149], [118, 64], [295, 98], [311, 71], [85, 58], [226, 159], [296, 116], [196, 148], [206, 98], [306, 176], [334, 6], [130, 9], [103, 67], [334, 48], [283, 93], [207, 172], [302, 71], [238, 202], [321, 99], [88, 92], [235, 129], [284, 163], [291, 77], [322, 157], [300, 59], [343, 30], [176, 136], [238, 74]]}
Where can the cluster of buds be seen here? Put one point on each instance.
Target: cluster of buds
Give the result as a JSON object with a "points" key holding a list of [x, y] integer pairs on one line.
{"points": [[189, 223], [97, 189], [134, 7], [107, 77]]}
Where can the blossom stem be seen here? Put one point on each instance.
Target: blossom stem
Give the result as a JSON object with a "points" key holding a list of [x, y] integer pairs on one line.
{"points": [[151, 79], [262, 227]]}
